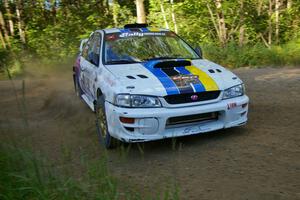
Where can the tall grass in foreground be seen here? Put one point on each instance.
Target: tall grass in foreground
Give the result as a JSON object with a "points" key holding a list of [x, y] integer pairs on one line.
{"points": [[27, 175], [233, 56]]}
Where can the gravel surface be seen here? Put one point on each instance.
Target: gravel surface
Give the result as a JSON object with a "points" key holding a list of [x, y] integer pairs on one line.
{"points": [[258, 161]]}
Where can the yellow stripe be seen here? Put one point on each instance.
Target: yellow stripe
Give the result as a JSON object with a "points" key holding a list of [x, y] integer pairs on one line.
{"points": [[153, 29], [208, 83]]}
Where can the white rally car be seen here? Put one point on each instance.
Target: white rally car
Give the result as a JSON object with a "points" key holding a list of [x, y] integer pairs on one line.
{"points": [[147, 84]]}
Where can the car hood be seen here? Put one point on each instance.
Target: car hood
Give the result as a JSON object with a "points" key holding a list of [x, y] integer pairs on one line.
{"points": [[145, 79]]}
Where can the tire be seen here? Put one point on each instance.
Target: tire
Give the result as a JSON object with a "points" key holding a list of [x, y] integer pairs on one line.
{"points": [[105, 138]]}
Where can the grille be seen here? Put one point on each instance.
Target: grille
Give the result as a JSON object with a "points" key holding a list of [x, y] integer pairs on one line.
{"points": [[192, 118], [192, 97]]}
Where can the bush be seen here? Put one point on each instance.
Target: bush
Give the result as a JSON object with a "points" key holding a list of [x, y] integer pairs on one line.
{"points": [[9, 60], [233, 56]]}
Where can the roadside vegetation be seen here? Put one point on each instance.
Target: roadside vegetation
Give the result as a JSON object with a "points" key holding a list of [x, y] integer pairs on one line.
{"points": [[26, 174], [251, 33]]}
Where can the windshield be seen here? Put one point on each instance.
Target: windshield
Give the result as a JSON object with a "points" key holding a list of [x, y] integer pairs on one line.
{"points": [[134, 47]]}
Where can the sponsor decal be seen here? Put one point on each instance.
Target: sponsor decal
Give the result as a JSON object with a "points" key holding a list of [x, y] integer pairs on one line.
{"points": [[231, 105], [130, 33], [194, 97], [208, 83], [141, 34]]}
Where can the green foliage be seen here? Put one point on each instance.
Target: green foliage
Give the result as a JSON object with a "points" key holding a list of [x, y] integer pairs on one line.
{"points": [[257, 55], [26, 176], [9, 61]]}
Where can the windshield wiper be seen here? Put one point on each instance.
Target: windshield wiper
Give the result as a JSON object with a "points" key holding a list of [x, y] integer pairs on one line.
{"points": [[121, 62]]}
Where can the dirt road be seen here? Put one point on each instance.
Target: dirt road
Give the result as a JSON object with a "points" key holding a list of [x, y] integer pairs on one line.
{"points": [[258, 161]]}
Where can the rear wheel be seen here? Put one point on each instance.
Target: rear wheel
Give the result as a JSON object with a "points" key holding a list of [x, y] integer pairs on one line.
{"points": [[101, 125]]}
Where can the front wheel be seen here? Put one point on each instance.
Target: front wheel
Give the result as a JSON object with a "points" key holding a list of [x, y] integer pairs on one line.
{"points": [[101, 125]]}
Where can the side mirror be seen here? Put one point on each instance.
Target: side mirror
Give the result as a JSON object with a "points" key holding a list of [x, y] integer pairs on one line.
{"points": [[199, 51]]}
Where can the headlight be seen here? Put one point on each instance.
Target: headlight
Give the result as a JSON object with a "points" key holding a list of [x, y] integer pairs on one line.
{"points": [[137, 101], [234, 91]]}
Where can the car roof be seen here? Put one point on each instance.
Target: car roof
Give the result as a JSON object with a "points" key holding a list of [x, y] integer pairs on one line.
{"points": [[144, 29]]}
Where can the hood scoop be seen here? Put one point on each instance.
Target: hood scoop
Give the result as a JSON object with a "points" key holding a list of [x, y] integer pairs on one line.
{"points": [[172, 63]]}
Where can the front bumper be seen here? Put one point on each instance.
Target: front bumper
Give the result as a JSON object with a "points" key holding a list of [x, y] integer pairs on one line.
{"points": [[151, 123]]}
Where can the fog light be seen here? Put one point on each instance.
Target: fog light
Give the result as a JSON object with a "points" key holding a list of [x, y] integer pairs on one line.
{"points": [[127, 120]]}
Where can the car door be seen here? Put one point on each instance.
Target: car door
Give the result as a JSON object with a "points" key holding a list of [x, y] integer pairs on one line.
{"points": [[93, 64], [84, 63]]}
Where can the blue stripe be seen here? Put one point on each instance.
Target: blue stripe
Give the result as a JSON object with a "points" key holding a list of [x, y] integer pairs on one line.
{"points": [[182, 70], [198, 86], [124, 30], [165, 80], [145, 29], [127, 30]]}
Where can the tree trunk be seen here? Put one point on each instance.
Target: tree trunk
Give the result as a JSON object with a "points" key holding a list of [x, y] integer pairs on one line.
{"points": [[3, 27], [2, 40], [289, 4], [277, 5], [10, 22], [213, 20], [259, 7], [115, 12], [54, 11], [164, 14], [270, 22], [221, 23], [242, 27], [174, 17], [20, 22], [140, 12]]}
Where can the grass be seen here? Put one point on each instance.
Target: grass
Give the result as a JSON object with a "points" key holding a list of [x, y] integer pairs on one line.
{"points": [[233, 56], [25, 176]]}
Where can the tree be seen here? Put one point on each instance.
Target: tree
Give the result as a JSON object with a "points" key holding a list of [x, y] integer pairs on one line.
{"points": [[8, 13], [140, 11], [3, 28], [20, 21]]}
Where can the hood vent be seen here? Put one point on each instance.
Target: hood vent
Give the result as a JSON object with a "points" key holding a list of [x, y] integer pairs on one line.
{"points": [[139, 75], [172, 63], [130, 77], [142, 76], [214, 71]]}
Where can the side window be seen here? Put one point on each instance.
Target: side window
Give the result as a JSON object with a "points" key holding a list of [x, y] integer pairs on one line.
{"points": [[94, 49], [85, 50]]}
